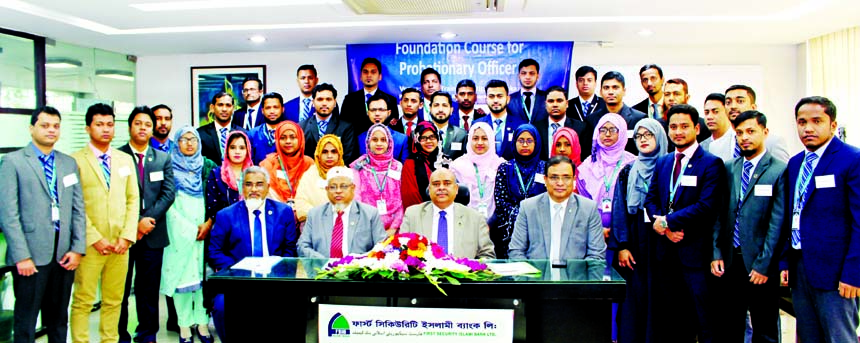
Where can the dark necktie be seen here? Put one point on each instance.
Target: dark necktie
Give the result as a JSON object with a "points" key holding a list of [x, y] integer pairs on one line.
{"points": [[258, 235], [677, 172], [466, 123], [442, 232], [139, 167], [249, 121], [528, 103]]}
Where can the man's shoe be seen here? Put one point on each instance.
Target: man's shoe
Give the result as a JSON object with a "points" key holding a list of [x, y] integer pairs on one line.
{"points": [[172, 326]]}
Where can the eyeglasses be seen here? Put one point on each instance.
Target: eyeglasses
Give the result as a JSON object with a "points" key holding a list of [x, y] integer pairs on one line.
{"points": [[249, 90], [611, 130], [556, 178], [335, 188], [525, 141], [427, 138], [646, 135], [192, 140], [377, 110]]}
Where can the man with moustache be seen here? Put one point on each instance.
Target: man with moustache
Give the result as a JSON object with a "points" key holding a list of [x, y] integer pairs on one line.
{"points": [[675, 93], [587, 103], [466, 97], [742, 98], [453, 142], [355, 103], [323, 123], [263, 137], [213, 136], [556, 108], [651, 78], [163, 124], [528, 100], [302, 107], [431, 82], [503, 124], [612, 89], [377, 111], [250, 116]]}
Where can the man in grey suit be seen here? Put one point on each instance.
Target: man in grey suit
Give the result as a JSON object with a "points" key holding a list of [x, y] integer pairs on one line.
{"points": [[558, 225], [453, 138], [43, 220], [154, 172], [461, 230], [747, 234], [341, 226]]}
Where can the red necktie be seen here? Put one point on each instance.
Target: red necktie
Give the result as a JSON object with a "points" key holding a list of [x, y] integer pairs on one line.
{"points": [[140, 167], [409, 129], [337, 237], [677, 172], [466, 123]]}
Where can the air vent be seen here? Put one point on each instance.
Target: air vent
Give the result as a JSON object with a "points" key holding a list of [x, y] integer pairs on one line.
{"points": [[424, 7]]}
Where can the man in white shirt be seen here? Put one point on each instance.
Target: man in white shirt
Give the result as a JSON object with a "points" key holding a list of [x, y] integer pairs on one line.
{"points": [[722, 141], [741, 98]]}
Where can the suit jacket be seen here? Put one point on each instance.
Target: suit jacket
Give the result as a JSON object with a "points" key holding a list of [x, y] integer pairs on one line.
{"points": [[396, 125], [630, 116], [578, 126], [759, 219], [155, 196], [293, 109], [339, 128], [830, 220], [28, 230], [454, 134], [240, 115], [704, 135], [695, 207], [599, 107], [260, 147], [511, 124], [230, 239], [470, 231], [516, 106], [210, 141], [642, 106], [355, 109], [401, 147], [363, 231], [112, 212], [581, 230], [455, 119]]}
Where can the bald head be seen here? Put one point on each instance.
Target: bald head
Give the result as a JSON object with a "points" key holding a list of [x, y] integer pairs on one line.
{"points": [[443, 187]]}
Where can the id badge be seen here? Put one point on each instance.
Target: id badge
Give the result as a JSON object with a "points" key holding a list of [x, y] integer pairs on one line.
{"points": [[382, 207], [55, 213], [482, 208], [606, 206], [795, 221]]}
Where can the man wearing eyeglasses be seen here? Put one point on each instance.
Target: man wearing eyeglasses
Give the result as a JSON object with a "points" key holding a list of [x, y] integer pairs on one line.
{"points": [[250, 117], [377, 111], [341, 226], [571, 221]]}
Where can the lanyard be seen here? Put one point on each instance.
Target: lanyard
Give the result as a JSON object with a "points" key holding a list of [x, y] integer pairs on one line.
{"points": [[801, 190], [527, 110], [520, 179], [380, 186], [286, 176], [480, 184], [674, 185], [607, 182]]}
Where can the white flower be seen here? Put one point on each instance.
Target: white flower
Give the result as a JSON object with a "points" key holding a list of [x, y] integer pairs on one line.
{"points": [[446, 265]]}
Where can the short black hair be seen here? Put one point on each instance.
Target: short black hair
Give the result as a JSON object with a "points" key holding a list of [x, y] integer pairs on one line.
{"points": [[373, 61], [465, 83], [612, 75], [411, 90], [527, 63], [749, 90], [429, 71], [557, 89], [100, 108], [495, 84], [716, 97], [272, 95], [651, 66], [220, 95], [138, 110], [684, 109], [306, 67], [376, 97], [828, 105], [751, 114], [34, 117], [585, 70], [444, 94], [253, 79], [556, 160], [324, 87], [162, 107]]}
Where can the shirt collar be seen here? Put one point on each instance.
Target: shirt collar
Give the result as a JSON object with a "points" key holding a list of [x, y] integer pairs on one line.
{"points": [[371, 92], [690, 151], [466, 114], [39, 153], [560, 122], [98, 152], [447, 210], [553, 203], [218, 126], [145, 150], [589, 100], [757, 159], [820, 151]]}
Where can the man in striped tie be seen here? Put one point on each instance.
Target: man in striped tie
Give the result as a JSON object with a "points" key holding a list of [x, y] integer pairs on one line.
{"points": [[302, 106], [747, 234]]}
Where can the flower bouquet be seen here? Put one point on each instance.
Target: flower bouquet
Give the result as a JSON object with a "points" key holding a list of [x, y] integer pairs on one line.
{"points": [[407, 256]]}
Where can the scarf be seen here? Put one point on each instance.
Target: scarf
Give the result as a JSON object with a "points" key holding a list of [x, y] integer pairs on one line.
{"points": [[604, 159], [294, 165], [575, 149], [227, 176], [643, 168], [527, 165], [488, 163], [187, 170], [425, 161], [334, 140]]}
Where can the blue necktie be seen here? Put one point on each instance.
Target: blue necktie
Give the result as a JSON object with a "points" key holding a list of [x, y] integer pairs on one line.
{"points": [[223, 140], [367, 97], [257, 249], [442, 232], [306, 109], [249, 121], [805, 174], [322, 126], [745, 183], [737, 150], [270, 136], [48, 166], [586, 107], [105, 162], [499, 135]]}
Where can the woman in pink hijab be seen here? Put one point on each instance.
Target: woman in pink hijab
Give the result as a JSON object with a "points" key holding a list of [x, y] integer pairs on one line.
{"points": [[477, 168], [377, 181]]}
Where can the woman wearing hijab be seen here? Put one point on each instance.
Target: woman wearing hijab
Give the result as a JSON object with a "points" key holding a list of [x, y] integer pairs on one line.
{"points": [[311, 190], [565, 142], [378, 177], [287, 165], [477, 168], [224, 184], [631, 231], [516, 180], [182, 266], [420, 164]]}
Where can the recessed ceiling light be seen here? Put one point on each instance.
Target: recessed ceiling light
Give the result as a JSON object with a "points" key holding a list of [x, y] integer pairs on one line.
{"points": [[257, 39], [447, 35], [645, 33], [123, 75]]}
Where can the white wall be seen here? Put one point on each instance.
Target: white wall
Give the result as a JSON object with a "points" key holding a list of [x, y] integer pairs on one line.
{"points": [[775, 73]]}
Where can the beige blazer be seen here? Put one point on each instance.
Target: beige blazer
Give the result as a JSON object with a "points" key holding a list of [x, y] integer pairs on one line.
{"points": [[470, 230]]}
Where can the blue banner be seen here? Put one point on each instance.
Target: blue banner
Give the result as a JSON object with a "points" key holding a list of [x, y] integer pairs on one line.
{"points": [[402, 63]]}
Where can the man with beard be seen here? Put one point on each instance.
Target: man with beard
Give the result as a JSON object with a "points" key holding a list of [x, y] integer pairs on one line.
{"points": [[431, 82], [675, 93], [466, 97], [355, 103], [213, 136], [263, 137], [527, 103], [250, 116], [323, 123], [410, 104], [503, 124], [556, 108], [453, 138], [739, 99], [612, 89], [651, 77], [163, 124]]}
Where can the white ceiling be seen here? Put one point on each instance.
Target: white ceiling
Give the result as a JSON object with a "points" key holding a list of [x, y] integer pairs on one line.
{"points": [[115, 25]]}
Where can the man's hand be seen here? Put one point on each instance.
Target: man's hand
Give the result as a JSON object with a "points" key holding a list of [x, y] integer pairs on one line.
{"points": [[718, 268], [606, 232], [675, 237], [103, 247], [203, 230], [625, 259], [71, 260], [783, 278], [145, 226], [658, 225], [121, 246], [847, 291], [26, 267], [757, 279]]}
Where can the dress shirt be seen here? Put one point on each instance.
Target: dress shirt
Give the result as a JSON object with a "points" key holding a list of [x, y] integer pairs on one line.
{"points": [[820, 151], [754, 162], [134, 156], [251, 218], [251, 117], [651, 108], [98, 152], [165, 147], [449, 217], [345, 219], [688, 154], [549, 132], [555, 229], [531, 110], [724, 147], [471, 118]]}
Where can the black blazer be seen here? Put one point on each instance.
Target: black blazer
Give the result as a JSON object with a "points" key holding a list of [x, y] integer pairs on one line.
{"points": [[515, 106], [578, 126], [396, 124], [209, 141], [355, 111], [599, 107], [239, 116], [336, 127], [642, 106], [155, 196]]}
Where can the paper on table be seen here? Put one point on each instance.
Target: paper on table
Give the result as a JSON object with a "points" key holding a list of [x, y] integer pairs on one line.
{"points": [[258, 264], [513, 268]]}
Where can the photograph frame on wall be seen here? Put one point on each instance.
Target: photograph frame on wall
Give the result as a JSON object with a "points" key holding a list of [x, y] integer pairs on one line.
{"points": [[206, 81]]}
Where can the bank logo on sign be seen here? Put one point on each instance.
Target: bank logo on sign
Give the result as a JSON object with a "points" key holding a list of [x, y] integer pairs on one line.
{"points": [[338, 326]]}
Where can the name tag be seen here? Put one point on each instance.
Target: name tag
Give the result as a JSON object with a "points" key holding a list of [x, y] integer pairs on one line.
{"points": [[630, 134], [55, 213], [456, 146], [825, 181], [395, 174], [510, 136], [282, 175], [795, 221], [763, 190], [70, 180], [382, 207], [156, 176], [688, 180], [645, 212], [539, 178], [124, 171], [606, 206]]}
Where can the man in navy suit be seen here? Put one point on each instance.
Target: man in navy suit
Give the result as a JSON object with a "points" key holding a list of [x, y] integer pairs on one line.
{"points": [[255, 227], [466, 96], [527, 103], [587, 103], [263, 137], [684, 198], [324, 122], [377, 111], [822, 227], [302, 106], [502, 122], [411, 106], [250, 116], [355, 103], [556, 107]]}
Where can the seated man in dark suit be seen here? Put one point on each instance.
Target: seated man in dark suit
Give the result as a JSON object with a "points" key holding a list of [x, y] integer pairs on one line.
{"points": [[377, 111], [453, 142], [250, 117], [323, 123], [213, 136], [355, 103], [587, 103], [556, 108], [271, 232], [527, 103], [263, 137], [612, 89]]}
